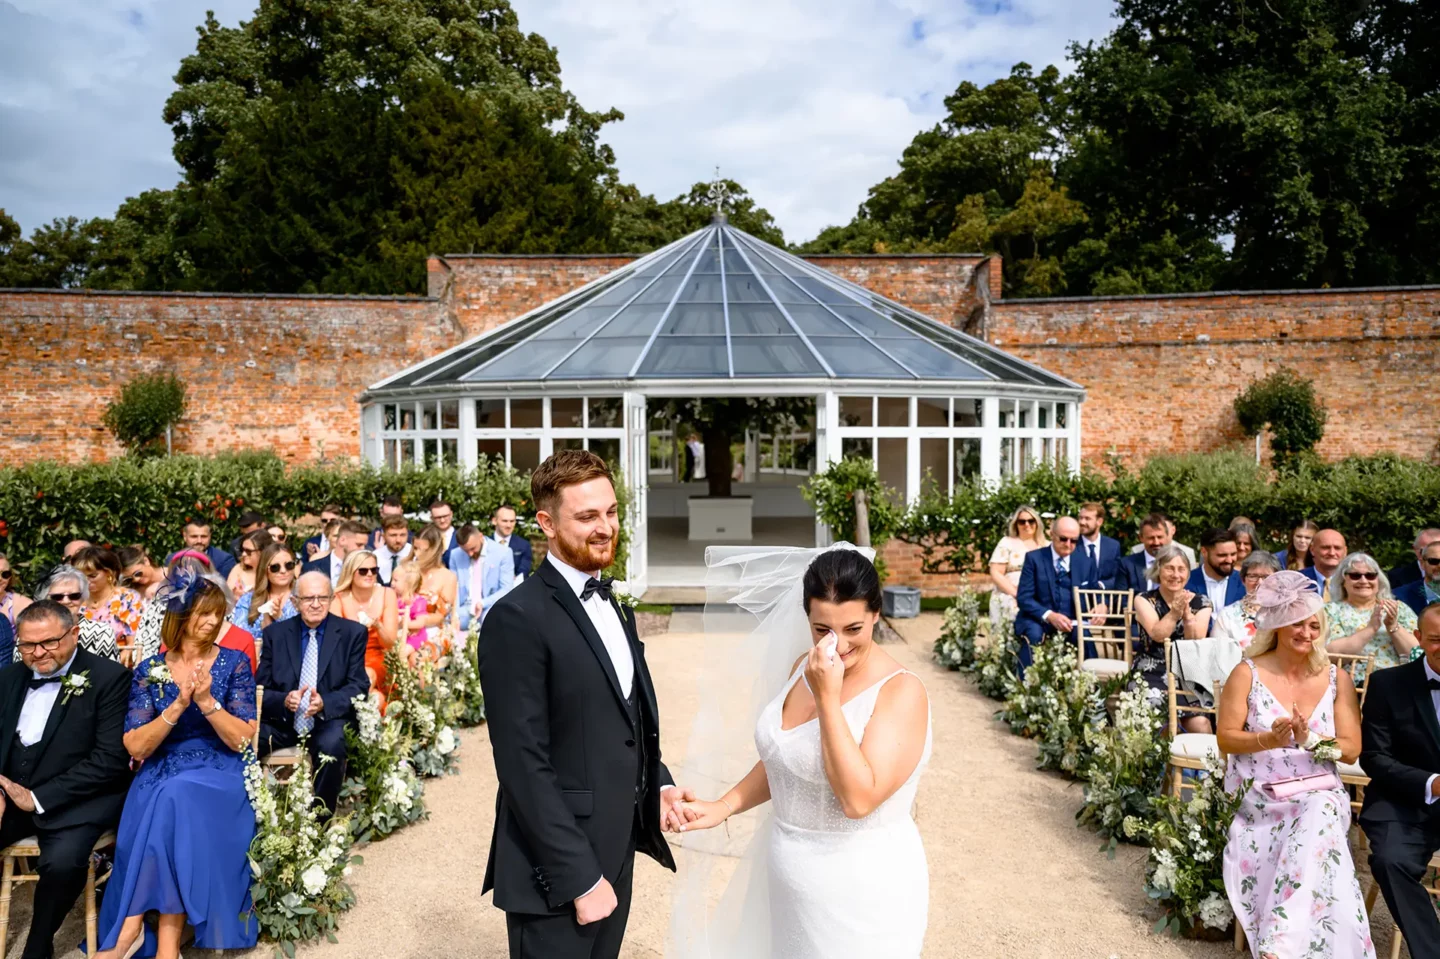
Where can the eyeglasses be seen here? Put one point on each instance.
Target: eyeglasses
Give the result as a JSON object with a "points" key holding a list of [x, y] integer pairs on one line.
{"points": [[286, 567], [1356, 574], [247, 550], [6, 573], [1432, 561], [368, 571], [1024, 522], [1255, 577], [312, 600], [67, 597], [49, 645], [1067, 539]]}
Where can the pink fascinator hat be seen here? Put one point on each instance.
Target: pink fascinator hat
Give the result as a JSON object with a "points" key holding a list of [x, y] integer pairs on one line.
{"points": [[1285, 598]]}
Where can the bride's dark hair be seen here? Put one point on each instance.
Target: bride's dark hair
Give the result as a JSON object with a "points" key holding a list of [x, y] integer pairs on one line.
{"points": [[842, 576]]}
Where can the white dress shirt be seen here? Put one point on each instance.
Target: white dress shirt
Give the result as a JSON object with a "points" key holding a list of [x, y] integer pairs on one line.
{"points": [[1215, 589], [607, 623], [389, 561], [1434, 702], [35, 712]]}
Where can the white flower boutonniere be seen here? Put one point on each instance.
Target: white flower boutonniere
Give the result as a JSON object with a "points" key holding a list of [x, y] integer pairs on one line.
{"points": [[620, 592], [74, 684], [158, 675], [1324, 750]]}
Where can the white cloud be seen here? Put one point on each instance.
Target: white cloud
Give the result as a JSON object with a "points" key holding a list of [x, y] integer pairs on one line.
{"points": [[806, 102]]}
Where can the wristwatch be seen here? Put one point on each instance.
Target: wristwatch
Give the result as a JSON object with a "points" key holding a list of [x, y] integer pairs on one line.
{"points": [[213, 710]]}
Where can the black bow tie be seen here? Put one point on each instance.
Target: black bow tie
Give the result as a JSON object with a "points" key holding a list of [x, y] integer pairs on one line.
{"points": [[593, 586], [44, 681], [1432, 683]]}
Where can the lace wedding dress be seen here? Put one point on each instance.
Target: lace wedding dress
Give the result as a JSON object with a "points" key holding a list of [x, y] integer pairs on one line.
{"points": [[838, 887]]}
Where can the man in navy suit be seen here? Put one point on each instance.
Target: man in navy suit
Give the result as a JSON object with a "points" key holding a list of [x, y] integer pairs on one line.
{"points": [[312, 666], [1416, 595], [1216, 576], [1408, 572], [442, 515], [390, 506], [1044, 598], [197, 538], [1102, 551], [1327, 549], [1154, 535], [319, 544], [505, 519], [350, 536]]}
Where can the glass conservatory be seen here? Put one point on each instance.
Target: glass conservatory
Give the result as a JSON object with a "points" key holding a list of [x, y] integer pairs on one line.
{"points": [[722, 314]]}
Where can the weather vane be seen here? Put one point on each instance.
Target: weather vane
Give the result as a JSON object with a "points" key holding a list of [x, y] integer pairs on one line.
{"points": [[719, 194]]}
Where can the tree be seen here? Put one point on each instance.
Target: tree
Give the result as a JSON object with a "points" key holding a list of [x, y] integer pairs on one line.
{"points": [[146, 408], [642, 223], [1285, 402], [57, 254], [721, 421]]}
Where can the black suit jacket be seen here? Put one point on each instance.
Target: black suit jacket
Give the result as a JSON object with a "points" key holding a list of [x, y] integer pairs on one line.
{"points": [[319, 565], [1403, 575], [340, 676], [566, 754], [1400, 745], [1131, 573], [83, 770]]}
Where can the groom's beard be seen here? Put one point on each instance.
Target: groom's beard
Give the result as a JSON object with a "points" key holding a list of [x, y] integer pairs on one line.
{"points": [[587, 555]]}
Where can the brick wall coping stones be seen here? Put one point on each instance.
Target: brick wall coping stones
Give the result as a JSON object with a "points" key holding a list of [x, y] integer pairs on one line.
{"points": [[82, 291], [892, 256], [1210, 294]]}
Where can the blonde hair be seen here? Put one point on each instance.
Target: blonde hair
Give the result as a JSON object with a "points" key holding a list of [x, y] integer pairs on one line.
{"points": [[1012, 530], [261, 593], [352, 563], [1318, 659], [433, 538], [407, 578]]}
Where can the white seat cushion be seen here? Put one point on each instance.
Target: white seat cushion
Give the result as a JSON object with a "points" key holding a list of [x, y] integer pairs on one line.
{"points": [[289, 752], [1195, 746], [1105, 667], [1351, 769]]}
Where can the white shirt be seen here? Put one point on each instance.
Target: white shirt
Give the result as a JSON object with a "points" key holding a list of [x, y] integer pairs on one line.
{"points": [[337, 563], [1215, 589], [35, 712], [389, 561], [1434, 702], [607, 623]]}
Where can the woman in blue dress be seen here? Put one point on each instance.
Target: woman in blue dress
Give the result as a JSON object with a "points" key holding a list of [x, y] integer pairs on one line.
{"points": [[185, 835], [273, 598]]}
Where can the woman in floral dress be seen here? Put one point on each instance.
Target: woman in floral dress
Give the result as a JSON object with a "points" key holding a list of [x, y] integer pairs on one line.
{"points": [[1287, 713], [1365, 617], [1023, 533]]}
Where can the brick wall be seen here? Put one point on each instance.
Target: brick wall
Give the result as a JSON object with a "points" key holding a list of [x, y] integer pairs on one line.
{"points": [[953, 289], [1162, 372], [483, 291]]}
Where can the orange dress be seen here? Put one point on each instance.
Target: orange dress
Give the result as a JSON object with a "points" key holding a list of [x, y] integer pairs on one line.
{"points": [[375, 661]]}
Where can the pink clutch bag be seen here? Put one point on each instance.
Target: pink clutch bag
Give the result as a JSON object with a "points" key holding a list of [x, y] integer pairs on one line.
{"points": [[1290, 788]]}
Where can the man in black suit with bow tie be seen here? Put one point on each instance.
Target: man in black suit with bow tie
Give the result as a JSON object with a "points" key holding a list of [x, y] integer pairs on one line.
{"points": [[575, 731], [64, 770], [1400, 751]]}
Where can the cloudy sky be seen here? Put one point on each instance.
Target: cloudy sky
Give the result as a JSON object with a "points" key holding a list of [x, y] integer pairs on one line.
{"points": [[806, 102]]}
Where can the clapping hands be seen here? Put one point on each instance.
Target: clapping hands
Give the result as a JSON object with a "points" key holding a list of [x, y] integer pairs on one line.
{"points": [[1294, 728]]}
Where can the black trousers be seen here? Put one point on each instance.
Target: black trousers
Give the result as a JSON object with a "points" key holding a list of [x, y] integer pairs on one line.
{"points": [[63, 864], [326, 738], [1399, 855], [561, 937]]}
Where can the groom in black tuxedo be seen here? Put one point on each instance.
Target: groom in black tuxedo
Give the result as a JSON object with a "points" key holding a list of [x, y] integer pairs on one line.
{"points": [[1400, 751], [575, 730], [64, 770]]}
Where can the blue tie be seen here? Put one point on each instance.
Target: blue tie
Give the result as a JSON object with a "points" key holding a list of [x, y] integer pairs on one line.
{"points": [[309, 667], [1093, 560]]}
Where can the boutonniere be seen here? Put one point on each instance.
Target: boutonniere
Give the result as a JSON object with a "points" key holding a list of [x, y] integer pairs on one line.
{"points": [[158, 675], [620, 592], [74, 684], [1324, 750]]}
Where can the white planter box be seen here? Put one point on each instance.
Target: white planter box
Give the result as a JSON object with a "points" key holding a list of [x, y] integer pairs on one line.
{"points": [[721, 519]]}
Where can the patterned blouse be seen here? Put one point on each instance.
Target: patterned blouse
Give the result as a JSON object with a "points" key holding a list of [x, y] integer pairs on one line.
{"points": [[1346, 620], [122, 613]]}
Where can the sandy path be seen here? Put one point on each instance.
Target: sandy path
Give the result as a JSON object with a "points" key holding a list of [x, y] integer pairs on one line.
{"points": [[1010, 875]]}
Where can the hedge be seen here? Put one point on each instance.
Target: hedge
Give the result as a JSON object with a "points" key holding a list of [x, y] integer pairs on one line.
{"points": [[1378, 502]]}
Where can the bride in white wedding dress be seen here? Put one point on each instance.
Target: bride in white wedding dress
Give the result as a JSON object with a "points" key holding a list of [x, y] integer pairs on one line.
{"points": [[839, 871]]}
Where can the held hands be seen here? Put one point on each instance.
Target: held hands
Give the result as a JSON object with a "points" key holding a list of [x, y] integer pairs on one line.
{"points": [[704, 815], [597, 904], [674, 812]]}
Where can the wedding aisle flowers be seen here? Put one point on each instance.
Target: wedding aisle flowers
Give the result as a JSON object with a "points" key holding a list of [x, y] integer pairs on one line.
{"points": [[1126, 767], [955, 649], [381, 786]]}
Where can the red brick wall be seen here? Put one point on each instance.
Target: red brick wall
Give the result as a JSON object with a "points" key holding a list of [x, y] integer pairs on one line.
{"points": [[486, 291], [1161, 373], [945, 288]]}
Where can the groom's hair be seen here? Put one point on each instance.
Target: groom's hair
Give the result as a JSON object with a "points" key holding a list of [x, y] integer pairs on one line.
{"points": [[564, 468]]}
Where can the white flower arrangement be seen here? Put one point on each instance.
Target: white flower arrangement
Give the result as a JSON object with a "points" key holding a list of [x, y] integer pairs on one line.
{"points": [[158, 675], [74, 684], [1324, 749]]}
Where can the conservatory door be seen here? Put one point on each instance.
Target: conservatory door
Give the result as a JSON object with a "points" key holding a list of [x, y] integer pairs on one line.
{"points": [[637, 478]]}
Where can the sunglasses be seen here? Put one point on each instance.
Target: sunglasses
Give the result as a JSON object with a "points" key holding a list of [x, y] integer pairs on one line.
{"points": [[67, 597], [1429, 561], [6, 573], [1353, 574], [1067, 539], [287, 567], [1024, 522], [368, 571]]}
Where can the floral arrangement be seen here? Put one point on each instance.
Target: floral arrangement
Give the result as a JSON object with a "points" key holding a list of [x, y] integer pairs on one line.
{"points": [[1126, 767], [955, 649], [158, 675], [422, 704], [299, 868], [1324, 750], [74, 684], [464, 672], [997, 662], [1184, 873], [381, 788]]}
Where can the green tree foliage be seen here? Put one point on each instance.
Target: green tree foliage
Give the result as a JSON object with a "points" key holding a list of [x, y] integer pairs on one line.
{"points": [[642, 223], [56, 255], [1285, 402], [147, 406], [721, 421]]}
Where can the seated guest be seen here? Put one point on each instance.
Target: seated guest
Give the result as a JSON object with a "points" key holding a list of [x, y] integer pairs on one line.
{"points": [[1292, 851], [249, 522], [273, 598], [442, 517], [1236, 622], [1169, 526], [504, 520], [1422, 592], [363, 600], [1247, 539], [11, 602], [419, 616], [1296, 554], [319, 544], [63, 765], [109, 602], [242, 578], [232, 636], [140, 572], [70, 588], [394, 547], [312, 666], [1365, 618], [1327, 549], [1216, 577], [1045, 601], [485, 570], [67, 555], [197, 538], [1401, 814], [390, 508], [1408, 572], [278, 534], [1102, 551], [347, 537], [1169, 611], [1023, 532], [438, 584], [184, 839], [1154, 536]]}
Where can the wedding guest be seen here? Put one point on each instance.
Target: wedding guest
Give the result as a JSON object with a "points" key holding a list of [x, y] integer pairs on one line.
{"points": [[1408, 572], [1401, 815], [12, 603], [1169, 527], [67, 586], [1247, 539], [197, 538], [1154, 536], [1365, 618], [1170, 611], [182, 849], [390, 508], [1023, 532], [1102, 551], [1216, 576], [249, 522], [140, 572], [1423, 592], [363, 600], [485, 571], [277, 534], [504, 520], [67, 555], [1045, 598], [1296, 554], [273, 598], [417, 614], [438, 584], [1236, 622], [319, 544], [395, 545], [109, 602], [442, 517], [312, 666], [148, 640], [348, 536], [63, 765], [242, 578], [1278, 707], [1327, 550], [231, 636]]}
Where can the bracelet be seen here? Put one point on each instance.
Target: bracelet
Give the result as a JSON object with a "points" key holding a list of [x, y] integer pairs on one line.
{"points": [[167, 721], [728, 806]]}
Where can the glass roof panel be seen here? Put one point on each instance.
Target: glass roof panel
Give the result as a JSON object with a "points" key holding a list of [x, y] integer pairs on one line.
{"points": [[621, 291], [662, 290], [745, 288], [577, 324], [774, 356], [696, 319], [709, 261], [761, 319], [527, 363], [852, 356], [661, 263], [872, 324], [611, 357], [814, 319], [926, 360], [787, 292], [635, 320], [734, 263], [701, 288], [686, 356], [823, 292]]}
